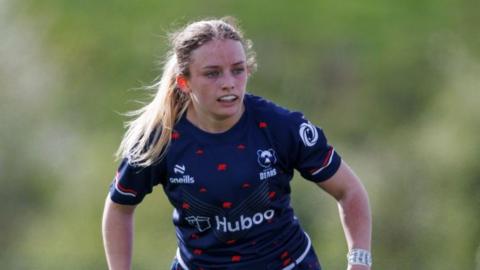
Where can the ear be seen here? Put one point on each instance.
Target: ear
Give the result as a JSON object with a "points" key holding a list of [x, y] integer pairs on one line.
{"points": [[182, 83]]}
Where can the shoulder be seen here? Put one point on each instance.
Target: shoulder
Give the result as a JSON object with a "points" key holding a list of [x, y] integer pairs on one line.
{"points": [[282, 126], [267, 112]]}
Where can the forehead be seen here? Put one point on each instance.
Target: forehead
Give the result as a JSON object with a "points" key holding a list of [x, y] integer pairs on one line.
{"points": [[218, 53]]}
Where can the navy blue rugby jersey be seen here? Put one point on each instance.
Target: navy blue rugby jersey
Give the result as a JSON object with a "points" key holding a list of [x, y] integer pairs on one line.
{"points": [[231, 191]]}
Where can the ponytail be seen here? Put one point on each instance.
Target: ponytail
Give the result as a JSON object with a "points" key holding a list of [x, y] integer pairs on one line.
{"points": [[149, 134]]}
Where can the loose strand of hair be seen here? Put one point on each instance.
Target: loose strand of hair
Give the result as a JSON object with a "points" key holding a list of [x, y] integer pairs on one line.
{"points": [[138, 145]]}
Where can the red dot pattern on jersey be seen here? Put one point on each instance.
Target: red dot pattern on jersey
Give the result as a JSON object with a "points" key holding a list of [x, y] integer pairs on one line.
{"points": [[262, 125], [287, 261], [222, 167], [246, 185], [236, 258], [227, 205], [175, 135]]}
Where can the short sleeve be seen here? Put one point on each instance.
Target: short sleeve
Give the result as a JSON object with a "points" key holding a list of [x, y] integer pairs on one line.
{"points": [[316, 160], [132, 183]]}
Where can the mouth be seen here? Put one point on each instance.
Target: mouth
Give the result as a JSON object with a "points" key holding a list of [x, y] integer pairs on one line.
{"points": [[227, 98]]}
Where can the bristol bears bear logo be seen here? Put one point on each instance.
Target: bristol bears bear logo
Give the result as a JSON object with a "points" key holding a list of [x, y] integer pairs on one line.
{"points": [[266, 158]]}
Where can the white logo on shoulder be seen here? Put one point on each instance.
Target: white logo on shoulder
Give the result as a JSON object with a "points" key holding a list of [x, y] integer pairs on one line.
{"points": [[183, 179], [308, 134], [267, 158]]}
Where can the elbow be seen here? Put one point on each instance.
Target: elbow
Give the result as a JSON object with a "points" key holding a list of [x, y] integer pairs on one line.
{"points": [[354, 197]]}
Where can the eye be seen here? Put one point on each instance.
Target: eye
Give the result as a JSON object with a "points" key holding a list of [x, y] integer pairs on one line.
{"points": [[238, 70], [212, 74]]}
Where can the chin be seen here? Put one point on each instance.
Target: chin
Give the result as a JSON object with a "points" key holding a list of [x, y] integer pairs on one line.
{"points": [[226, 113]]}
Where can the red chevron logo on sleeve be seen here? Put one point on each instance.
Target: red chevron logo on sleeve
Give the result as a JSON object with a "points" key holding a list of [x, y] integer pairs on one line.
{"points": [[123, 190], [326, 162]]}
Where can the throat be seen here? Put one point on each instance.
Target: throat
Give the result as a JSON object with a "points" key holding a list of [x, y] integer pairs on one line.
{"points": [[212, 124]]}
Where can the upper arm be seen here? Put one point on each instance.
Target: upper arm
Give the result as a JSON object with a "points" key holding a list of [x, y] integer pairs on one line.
{"points": [[342, 182], [126, 209]]}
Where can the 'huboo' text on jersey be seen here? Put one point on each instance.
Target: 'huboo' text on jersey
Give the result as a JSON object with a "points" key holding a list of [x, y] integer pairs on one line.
{"points": [[244, 223]]}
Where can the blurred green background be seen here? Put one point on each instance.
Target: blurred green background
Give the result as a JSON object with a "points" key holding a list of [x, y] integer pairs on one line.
{"points": [[395, 85]]}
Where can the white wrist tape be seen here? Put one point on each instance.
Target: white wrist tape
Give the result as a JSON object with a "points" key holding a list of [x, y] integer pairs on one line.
{"points": [[359, 257]]}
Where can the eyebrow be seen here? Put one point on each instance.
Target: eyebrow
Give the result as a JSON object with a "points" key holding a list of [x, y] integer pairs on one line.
{"points": [[216, 66]]}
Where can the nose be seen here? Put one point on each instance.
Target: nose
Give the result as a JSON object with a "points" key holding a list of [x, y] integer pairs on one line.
{"points": [[228, 82]]}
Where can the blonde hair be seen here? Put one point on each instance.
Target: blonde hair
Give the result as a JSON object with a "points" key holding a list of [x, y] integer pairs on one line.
{"points": [[149, 134]]}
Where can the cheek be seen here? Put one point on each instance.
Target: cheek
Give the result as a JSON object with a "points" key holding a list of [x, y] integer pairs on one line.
{"points": [[242, 80], [204, 93]]}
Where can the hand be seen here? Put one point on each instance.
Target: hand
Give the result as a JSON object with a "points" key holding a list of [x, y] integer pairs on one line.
{"points": [[358, 267]]}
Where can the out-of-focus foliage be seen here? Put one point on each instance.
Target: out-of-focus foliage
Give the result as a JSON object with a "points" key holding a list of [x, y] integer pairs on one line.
{"points": [[395, 85]]}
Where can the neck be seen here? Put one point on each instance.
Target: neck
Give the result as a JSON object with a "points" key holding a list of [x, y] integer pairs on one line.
{"points": [[212, 124]]}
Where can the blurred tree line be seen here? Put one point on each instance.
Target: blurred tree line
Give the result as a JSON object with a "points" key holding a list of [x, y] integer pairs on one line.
{"points": [[394, 84]]}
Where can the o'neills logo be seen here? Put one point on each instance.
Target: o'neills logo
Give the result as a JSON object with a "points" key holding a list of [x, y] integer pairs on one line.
{"points": [[185, 179], [244, 223]]}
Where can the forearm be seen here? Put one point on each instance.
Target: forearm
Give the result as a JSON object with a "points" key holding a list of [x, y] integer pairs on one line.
{"points": [[355, 215], [354, 210], [117, 229]]}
